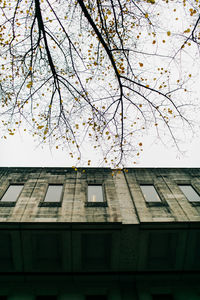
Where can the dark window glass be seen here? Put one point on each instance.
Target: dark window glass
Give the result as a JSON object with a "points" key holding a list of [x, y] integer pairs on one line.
{"points": [[53, 193], [190, 193], [96, 250], [162, 297], [161, 250], [95, 193], [150, 193], [95, 297], [12, 193]]}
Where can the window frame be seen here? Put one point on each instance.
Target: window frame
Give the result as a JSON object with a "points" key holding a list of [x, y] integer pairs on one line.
{"points": [[44, 203], [162, 201], [11, 203], [97, 203], [194, 203]]}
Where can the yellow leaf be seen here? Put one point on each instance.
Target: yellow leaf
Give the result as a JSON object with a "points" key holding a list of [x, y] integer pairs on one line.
{"points": [[141, 64], [187, 30], [168, 33], [169, 111], [29, 85], [146, 15]]}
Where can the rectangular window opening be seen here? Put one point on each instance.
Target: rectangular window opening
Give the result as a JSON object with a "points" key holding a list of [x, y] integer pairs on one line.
{"points": [[150, 193], [95, 193], [53, 193], [96, 251], [12, 193], [53, 196], [190, 193], [95, 196]]}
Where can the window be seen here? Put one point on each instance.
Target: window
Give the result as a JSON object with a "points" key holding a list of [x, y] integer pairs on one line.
{"points": [[96, 251], [95, 196], [11, 195], [150, 193], [161, 250], [190, 193], [53, 195], [95, 193], [47, 251]]}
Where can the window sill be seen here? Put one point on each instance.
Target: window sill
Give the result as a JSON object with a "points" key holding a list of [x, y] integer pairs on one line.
{"points": [[50, 204], [156, 204], [196, 203], [7, 204], [96, 204]]}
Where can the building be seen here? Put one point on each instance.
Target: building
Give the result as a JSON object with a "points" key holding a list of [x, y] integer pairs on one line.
{"points": [[92, 235]]}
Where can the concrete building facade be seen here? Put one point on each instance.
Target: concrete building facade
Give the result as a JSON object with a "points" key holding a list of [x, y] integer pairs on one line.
{"points": [[91, 234]]}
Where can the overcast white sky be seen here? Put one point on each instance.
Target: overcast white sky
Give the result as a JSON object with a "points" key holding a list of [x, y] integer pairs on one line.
{"points": [[22, 151]]}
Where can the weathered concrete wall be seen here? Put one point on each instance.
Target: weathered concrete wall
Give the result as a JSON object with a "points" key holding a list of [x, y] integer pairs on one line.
{"points": [[176, 206], [125, 201]]}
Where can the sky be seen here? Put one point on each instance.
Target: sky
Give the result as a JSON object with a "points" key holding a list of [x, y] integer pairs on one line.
{"points": [[22, 151]]}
